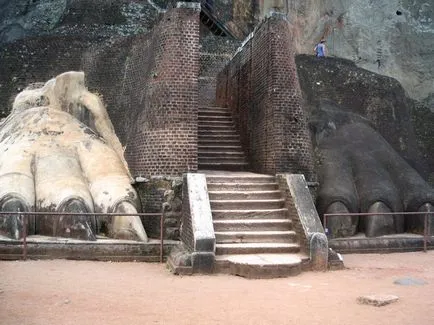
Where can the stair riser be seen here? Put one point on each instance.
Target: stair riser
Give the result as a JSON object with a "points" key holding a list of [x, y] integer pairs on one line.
{"points": [[212, 137], [215, 150], [204, 113], [214, 127], [227, 167], [225, 238], [221, 142], [241, 187], [263, 272], [210, 155], [240, 205], [234, 215], [221, 160], [239, 180], [249, 227], [217, 133], [214, 118], [256, 250], [245, 195], [216, 122]]}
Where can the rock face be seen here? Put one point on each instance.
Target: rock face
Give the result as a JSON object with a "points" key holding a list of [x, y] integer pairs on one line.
{"points": [[390, 37], [27, 18]]}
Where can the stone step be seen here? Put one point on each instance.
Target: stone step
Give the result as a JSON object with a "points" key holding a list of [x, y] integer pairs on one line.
{"points": [[252, 225], [256, 214], [226, 136], [260, 266], [205, 108], [239, 179], [242, 186], [244, 195], [248, 204], [215, 127], [223, 158], [229, 166], [256, 248], [220, 154], [214, 111], [219, 142], [286, 236], [222, 161], [210, 129], [214, 148], [214, 118], [224, 122], [218, 133]]}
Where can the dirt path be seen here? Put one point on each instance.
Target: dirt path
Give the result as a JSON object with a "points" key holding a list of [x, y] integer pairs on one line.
{"points": [[81, 292]]}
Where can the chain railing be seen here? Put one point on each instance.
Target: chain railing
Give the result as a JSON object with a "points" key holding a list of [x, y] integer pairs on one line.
{"points": [[24, 216], [426, 227]]}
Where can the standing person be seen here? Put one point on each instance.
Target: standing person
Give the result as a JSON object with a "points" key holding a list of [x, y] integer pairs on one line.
{"points": [[320, 49]]}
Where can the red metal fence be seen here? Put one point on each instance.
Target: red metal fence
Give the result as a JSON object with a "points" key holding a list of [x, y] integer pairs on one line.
{"points": [[25, 215], [426, 226]]}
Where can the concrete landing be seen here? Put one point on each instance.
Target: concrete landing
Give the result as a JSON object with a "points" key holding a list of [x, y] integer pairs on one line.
{"points": [[261, 266]]}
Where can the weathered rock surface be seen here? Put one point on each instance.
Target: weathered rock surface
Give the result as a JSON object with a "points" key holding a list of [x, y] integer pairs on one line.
{"points": [[390, 37]]}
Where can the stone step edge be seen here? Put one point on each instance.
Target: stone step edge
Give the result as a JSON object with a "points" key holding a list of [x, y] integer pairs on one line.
{"points": [[249, 201], [253, 232], [250, 211], [251, 221], [244, 191], [257, 245]]}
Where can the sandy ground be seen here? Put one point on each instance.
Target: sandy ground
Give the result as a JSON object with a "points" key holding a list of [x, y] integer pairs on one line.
{"points": [[81, 292]]}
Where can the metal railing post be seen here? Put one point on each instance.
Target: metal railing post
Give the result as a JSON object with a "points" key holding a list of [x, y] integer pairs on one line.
{"points": [[161, 235], [425, 232], [24, 218]]}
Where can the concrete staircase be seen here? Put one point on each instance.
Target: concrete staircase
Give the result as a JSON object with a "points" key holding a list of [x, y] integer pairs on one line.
{"points": [[219, 146], [254, 234]]}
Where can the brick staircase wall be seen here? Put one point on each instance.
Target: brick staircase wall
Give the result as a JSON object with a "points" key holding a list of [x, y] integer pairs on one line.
{"points": [[261, 87]]}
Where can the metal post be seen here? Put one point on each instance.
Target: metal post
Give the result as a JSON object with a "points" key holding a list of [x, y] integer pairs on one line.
{"points": [[24, 217], [325, 225], [161, 235], [425, 232]]}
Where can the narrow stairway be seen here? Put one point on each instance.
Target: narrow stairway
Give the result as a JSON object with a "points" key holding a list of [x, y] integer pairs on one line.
{"points": [[219, 146], [254, 234]]}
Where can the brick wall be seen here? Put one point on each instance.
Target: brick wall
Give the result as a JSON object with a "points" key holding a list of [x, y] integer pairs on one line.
{"points": [[261, 87], [163, 136]]}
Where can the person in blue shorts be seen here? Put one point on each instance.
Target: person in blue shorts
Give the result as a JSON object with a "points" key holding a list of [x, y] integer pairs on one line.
{"points": [[320, 49]]}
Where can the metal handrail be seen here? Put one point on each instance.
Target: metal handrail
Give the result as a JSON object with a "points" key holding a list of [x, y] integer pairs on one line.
{"points": [[426, 225], [96, 214]]}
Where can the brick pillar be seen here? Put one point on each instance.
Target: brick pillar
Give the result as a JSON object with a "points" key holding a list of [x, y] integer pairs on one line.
{"points": [[292, 144], [165, 142]]}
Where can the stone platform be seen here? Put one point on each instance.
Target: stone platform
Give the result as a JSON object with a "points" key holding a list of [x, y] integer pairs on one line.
{"points": [[103, 249], [384, 244]]}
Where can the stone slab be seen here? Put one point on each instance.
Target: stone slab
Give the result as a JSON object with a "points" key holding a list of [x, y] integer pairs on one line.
{"points": [[377, 300]]}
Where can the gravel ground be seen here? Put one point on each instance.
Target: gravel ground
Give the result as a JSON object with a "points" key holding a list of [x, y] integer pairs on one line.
{"points": [[83, 292]]}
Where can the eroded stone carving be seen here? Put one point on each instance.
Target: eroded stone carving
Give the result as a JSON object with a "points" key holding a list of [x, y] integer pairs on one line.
{"points": [[59, 152], [360, 172]]}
